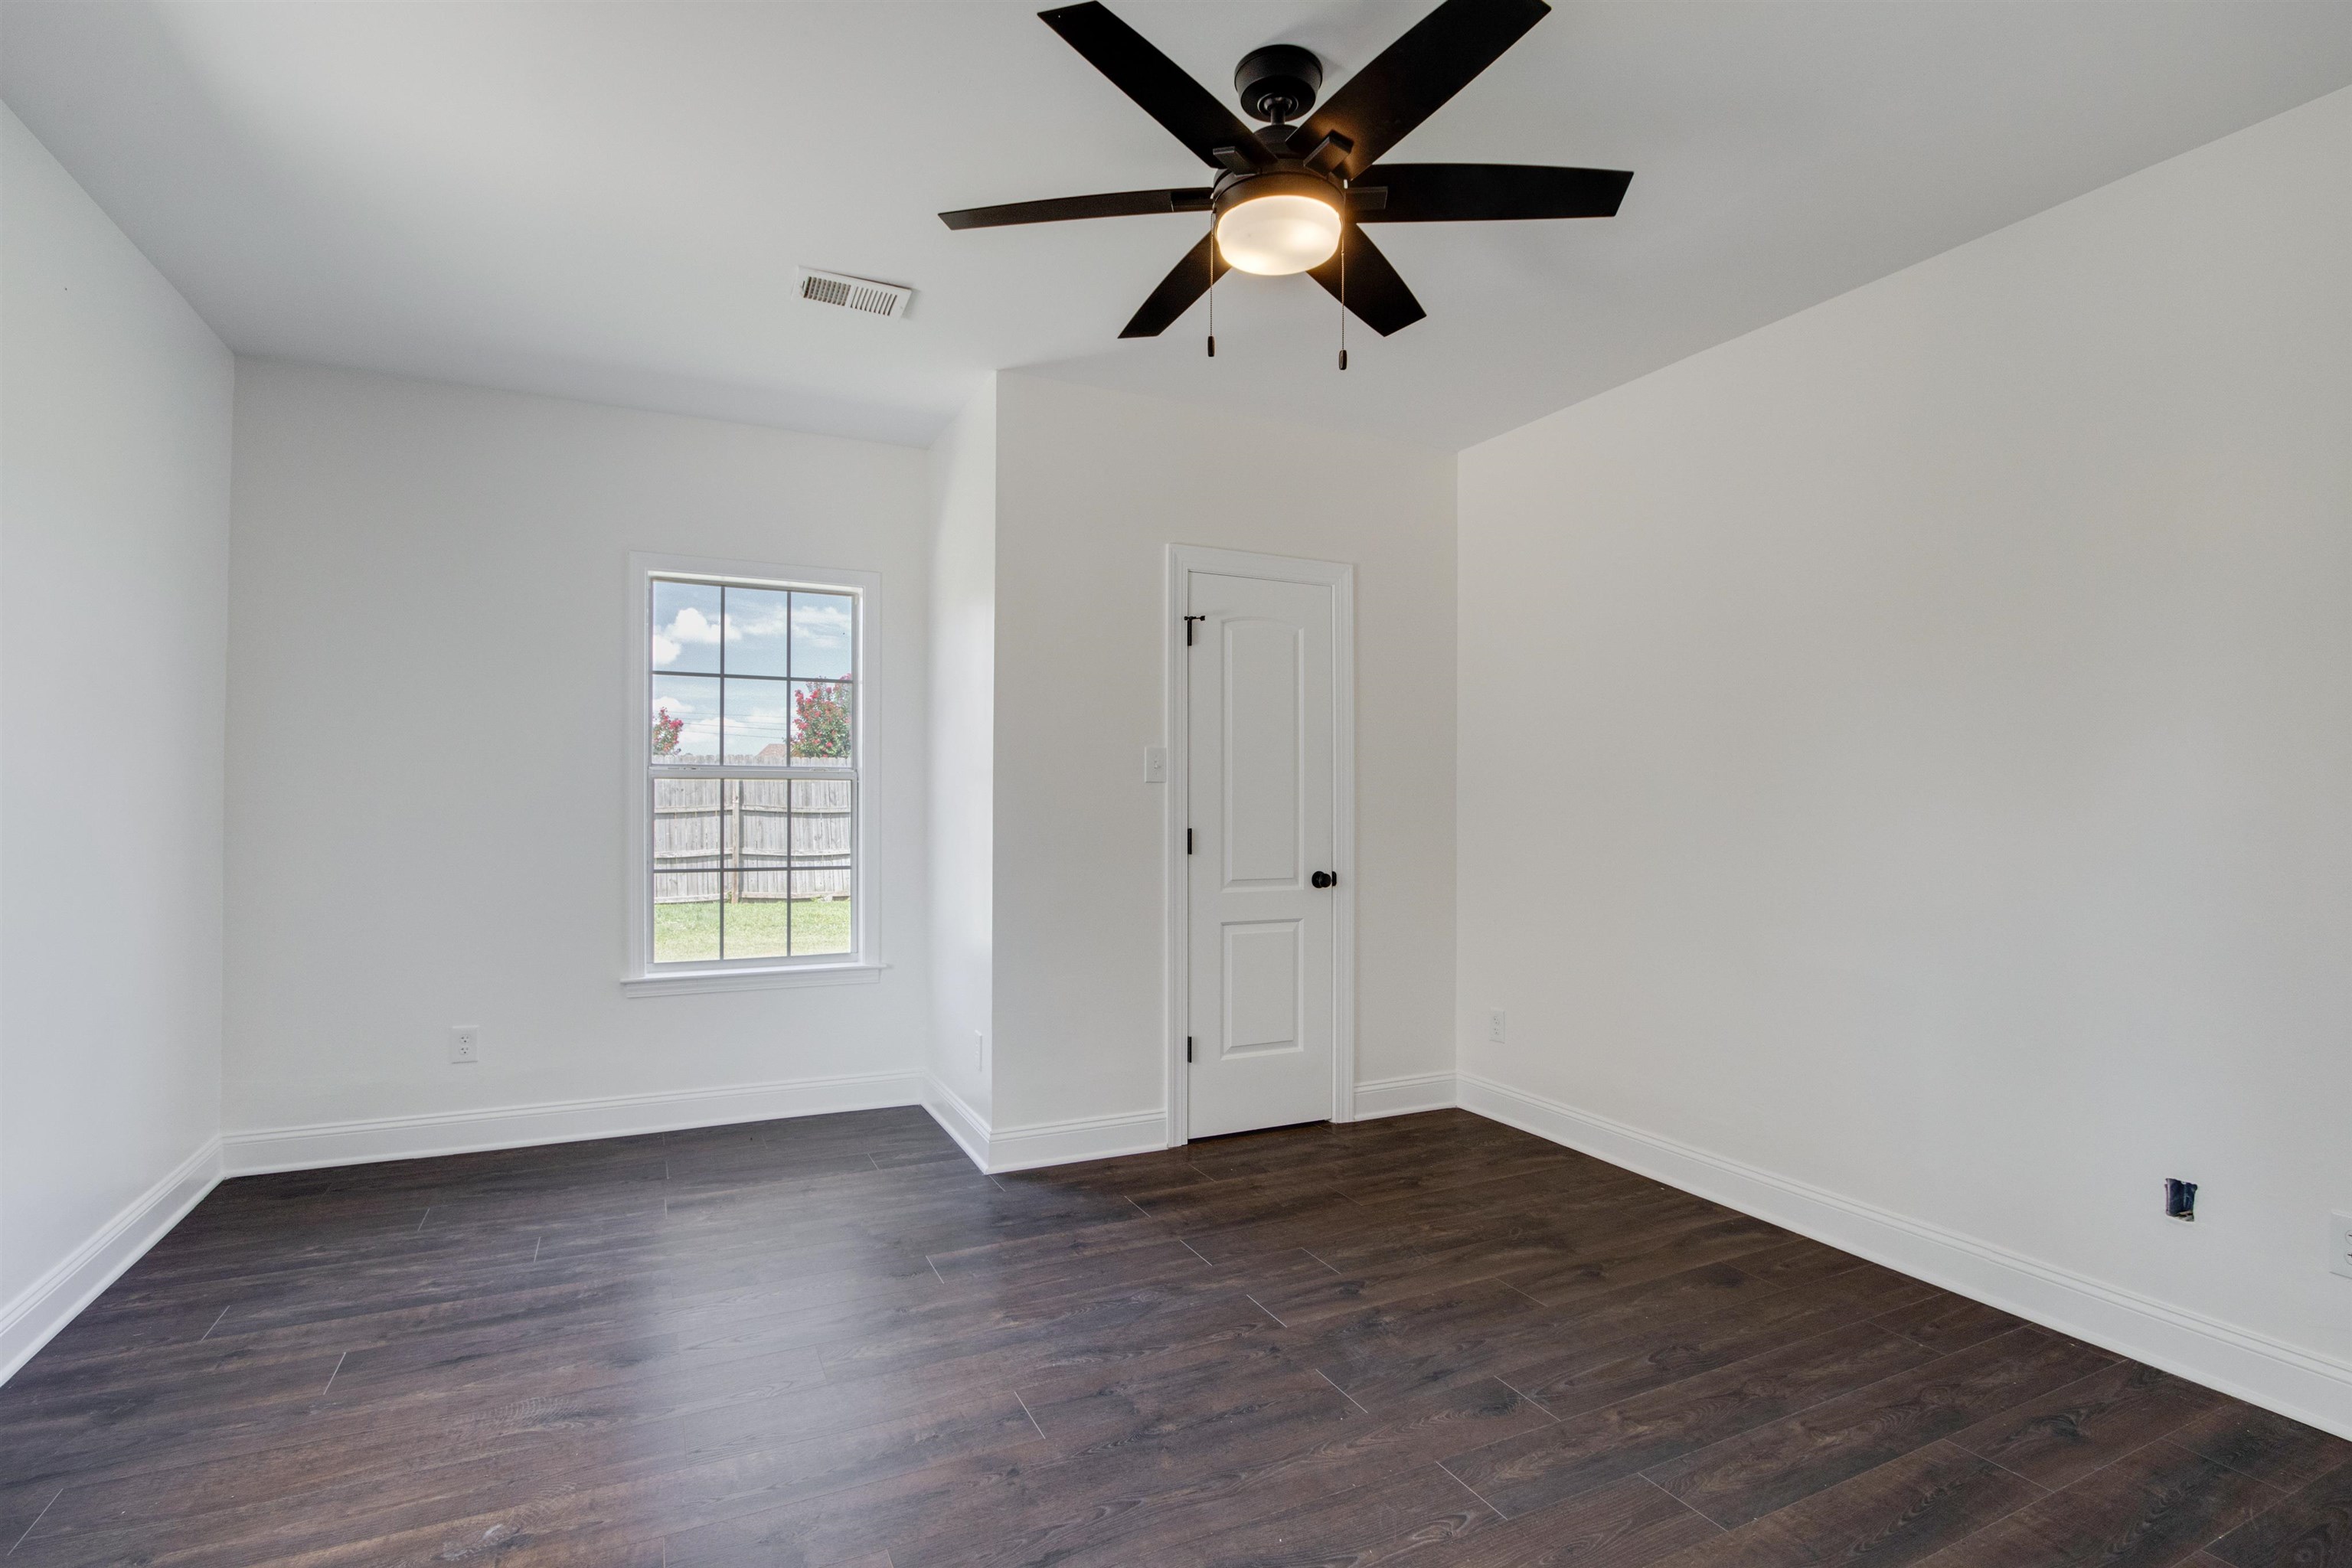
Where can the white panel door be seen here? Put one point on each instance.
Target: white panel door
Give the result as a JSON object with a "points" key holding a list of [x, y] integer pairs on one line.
{"points": [[1260, 742]]}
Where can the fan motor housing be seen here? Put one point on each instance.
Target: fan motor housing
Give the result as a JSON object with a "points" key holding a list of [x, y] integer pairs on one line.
{"points": [[1235, 189], [1278, 82]]}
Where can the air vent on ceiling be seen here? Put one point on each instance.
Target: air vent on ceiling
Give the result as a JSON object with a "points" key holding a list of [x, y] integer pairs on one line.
{"points": [[887, 300]]}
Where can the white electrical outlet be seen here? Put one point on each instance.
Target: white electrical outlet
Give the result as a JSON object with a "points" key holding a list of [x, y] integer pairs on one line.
{"points": [[1495, 1027], [979, 1049], [1155, 764], [2339, 1245], [465, 1042]]}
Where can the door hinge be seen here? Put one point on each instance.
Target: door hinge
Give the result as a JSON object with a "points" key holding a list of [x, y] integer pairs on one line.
{"points": [[1187, 627], [1188, 1050], [1188, 841]]}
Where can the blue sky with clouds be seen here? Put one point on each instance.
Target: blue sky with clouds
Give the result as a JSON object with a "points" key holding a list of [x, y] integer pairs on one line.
{"points": [[699, 628]]}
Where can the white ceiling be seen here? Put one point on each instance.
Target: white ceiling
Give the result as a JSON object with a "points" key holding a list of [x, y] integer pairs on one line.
{"points": [[607, 200]]}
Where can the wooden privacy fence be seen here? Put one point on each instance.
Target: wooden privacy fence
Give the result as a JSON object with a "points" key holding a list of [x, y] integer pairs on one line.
{"points": [[751, 839]]}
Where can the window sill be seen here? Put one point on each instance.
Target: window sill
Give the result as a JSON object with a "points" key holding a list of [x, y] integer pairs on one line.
{"points": [[753, 979]]}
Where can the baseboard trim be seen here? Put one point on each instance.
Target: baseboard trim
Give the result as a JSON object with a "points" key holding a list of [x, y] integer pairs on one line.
{"points": [[2252, 1367], [997, 1149], [57, 1296], [1085, 1138], [1404, 1096], [968, 1127], [364, 1143]]}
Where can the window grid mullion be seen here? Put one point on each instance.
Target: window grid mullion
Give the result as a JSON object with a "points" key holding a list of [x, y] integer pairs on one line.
{"points": [[792, 602], [726, 614]]}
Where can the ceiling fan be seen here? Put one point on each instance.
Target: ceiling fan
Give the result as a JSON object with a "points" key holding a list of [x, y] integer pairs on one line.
{"points": [[1290, 194]]}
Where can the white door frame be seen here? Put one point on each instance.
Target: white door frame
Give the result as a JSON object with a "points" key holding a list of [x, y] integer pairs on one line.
{"points": [[1340, 578]]}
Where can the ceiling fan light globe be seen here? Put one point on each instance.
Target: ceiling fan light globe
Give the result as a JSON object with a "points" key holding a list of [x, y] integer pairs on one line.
{"points": [[1275, 236]]}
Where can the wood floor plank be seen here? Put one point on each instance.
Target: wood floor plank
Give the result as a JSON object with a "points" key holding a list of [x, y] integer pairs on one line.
{"points": [[1709, 1241], [1900, 1512], [2311, 1528], [1395, 1348], [22, 1504], [2066, 1433], [1130, 1496], [1627, 1524], [1948, 1322], [1413, 1518], [830, 1343], [631, 1502], [1666, 1347], [1774, 1465], [2153, 1507], [855, 1525], [2263, 1444], [1129, 1503], [1551, 1464]]}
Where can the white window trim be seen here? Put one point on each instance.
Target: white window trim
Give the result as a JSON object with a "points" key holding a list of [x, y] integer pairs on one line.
{"points": [[640, 977]]}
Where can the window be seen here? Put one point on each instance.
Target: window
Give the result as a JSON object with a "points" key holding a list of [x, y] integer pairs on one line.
{"points": [[753, 695]]}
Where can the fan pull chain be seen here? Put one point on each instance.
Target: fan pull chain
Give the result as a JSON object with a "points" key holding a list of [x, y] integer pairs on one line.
{"points": [[1343, 296], [1213, 284]]}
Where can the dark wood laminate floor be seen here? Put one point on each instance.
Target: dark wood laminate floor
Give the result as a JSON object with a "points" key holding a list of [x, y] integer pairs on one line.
{"points": [[831, 1342]]}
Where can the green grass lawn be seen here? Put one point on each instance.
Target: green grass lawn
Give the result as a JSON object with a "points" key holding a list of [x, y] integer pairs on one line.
{"points": [[689, 933]]}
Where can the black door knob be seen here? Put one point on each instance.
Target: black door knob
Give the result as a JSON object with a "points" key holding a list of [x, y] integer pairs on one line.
{"points": [[1324, 879]]}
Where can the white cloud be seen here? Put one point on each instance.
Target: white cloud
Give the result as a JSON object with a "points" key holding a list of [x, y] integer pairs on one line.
{"points": [[824, 625], [760, 724], [677, 710], [664, 650], [766, 624], [692, 626]]}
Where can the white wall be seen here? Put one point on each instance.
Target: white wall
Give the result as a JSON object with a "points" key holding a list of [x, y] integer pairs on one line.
{"points": [[114, 499], [427, 818], [963, 750], [1092, 486], [1905, 754]]}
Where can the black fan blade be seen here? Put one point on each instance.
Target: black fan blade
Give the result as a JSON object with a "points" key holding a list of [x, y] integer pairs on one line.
{"points": [[1458, 193], [1411, 79], [1114, 204], [1164, 90], [1373, 290], [1185, 282]]}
